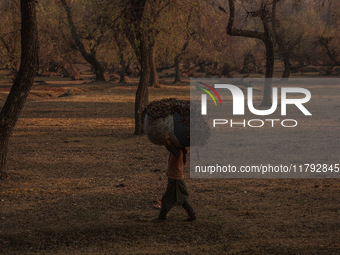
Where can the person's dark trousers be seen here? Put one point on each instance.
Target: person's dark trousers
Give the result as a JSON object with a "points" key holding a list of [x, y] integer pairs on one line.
{"points": [[176, 191]]}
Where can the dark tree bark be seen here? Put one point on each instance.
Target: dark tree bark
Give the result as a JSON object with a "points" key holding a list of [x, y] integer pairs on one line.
{"points": [[178, 59], [178, 72], [142, 94], [121, 44], [155, 10], [137, 35], [122, 75], [89, 57], [24, 80], [265, 37], [249, 63], [139, 18], [287, 64], [284, 47], [267, 93], [153, 68], [179, 56]]}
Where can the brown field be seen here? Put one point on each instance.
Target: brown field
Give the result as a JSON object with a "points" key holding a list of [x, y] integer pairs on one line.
{"points": [[80, 182]]}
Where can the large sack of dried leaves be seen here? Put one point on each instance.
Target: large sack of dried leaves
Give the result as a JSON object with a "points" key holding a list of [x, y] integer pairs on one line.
{"points": [[171, 116]]}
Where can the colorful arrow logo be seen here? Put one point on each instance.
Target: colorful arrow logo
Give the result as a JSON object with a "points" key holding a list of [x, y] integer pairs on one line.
{"points": [[209, 93]]}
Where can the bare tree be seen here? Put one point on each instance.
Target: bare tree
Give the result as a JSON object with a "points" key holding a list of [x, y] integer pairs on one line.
{"points": [[178, 57], [137, 34], [140, 20], [24, 80], [155, 12], [266, 37], [122, 44], [153, 67], [90, 57], [285, 43]]}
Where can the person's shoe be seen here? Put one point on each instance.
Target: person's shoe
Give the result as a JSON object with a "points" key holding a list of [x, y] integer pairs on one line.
{"points": [[191, 218], [158, 220]]}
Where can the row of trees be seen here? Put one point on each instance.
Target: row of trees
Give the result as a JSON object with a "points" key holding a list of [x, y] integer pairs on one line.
{"points": [[215, 37], [182, 34]]}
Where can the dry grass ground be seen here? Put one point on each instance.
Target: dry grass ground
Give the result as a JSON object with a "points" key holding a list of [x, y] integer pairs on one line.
{"points": [[81, 183]]}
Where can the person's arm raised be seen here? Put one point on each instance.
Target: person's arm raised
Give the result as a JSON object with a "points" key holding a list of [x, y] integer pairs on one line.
{"points": [[171, 148]]}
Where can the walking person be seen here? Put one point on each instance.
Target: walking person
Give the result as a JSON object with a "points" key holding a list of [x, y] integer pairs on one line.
{"points": [[176, 191]]}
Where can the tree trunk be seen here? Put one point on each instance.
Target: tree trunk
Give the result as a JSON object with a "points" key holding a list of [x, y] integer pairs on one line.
{"points": [[142, 95], [267, 93], [121, 44], [96, 66], [265, 37], [268, 41], [138, 37], [4, 138], [249, 63], [89, 57], [153, 68], [179, 56], [288, 66], [24, 80], [122, 77], [282, 45], [177, 69]]}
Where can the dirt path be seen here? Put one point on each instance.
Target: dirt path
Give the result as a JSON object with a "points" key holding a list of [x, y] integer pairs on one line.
{"points": [[81, 183]]}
